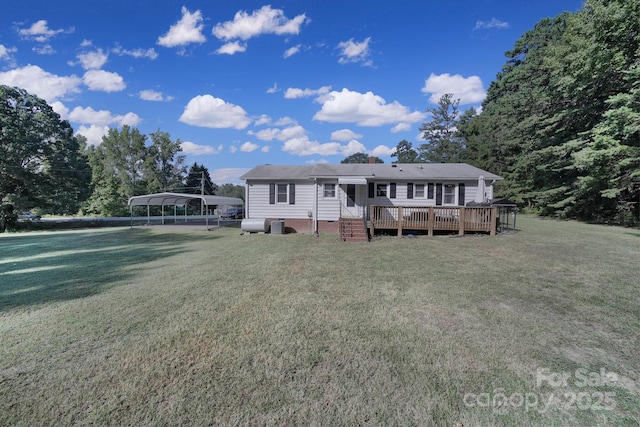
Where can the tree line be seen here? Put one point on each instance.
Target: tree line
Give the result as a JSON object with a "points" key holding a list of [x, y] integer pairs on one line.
{"points": [[46, 167], [561, 121]]}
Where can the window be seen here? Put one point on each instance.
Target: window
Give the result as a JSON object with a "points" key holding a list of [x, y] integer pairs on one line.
{"points": [[419, 191], [329, 191], [381, 190], [449, 194], [282, 193]]}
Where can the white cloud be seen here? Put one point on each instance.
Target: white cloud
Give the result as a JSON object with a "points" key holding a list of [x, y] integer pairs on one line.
{"points": [[303, 146], [152, 95], [469, 90], [233, 149], [207, 111], [291, 51], [248, 147], [41, 32], [6, 52], [187, 30], [262, 120], [46, 49], [101, 117], [231, 48], [401, 127], [344, 135], [286, 121], [273, 89], [93, 60], [228, 175], [492, 24], [262, 21], [265, 149], [354, 52], [35, 80], [365, 109], [136, 53], [104, 81], [197, 150], [290, 132], [382, 150], [93, 133], [293, 93]]}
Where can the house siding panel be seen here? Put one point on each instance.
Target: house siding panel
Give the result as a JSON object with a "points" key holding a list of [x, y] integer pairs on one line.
{"points": [[259, 206]]}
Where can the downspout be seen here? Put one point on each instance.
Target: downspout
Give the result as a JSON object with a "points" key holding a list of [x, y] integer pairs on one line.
{"points": [[315, 208]]}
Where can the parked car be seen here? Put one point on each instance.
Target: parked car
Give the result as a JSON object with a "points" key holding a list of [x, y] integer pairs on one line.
{"points": [[28, 216], [233, 213]]}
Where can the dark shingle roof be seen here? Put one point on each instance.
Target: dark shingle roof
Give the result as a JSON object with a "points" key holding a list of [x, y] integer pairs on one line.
{"points": [[435, 171]]}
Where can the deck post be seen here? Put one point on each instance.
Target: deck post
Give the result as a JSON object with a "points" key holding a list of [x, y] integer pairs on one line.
{"points": [[431, 219], [400, 221], [494, 215], [461, 222]]}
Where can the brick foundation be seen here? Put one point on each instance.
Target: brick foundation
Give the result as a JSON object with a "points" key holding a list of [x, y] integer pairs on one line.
{"points": [[305, 226]]}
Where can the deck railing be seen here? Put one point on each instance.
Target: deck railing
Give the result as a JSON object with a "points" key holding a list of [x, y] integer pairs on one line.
{"points": [[432, 218]]}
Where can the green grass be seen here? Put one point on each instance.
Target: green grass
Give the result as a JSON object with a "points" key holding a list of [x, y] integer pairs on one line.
{"points": [[154, 327]]}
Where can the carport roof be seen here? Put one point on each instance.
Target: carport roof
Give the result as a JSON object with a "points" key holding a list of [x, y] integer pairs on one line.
{"points": [[168, 199]]}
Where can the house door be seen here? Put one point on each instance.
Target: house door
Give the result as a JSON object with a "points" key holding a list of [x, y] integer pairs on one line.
{"points": [[352, 200]]}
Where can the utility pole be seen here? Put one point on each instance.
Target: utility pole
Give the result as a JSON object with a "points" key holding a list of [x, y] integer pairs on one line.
{"points": [[202, 193]]}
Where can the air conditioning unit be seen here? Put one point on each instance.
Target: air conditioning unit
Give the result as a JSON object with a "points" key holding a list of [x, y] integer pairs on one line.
{"points": [[277, 227]]}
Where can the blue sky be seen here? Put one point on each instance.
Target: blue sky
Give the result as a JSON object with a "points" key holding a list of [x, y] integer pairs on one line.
{"points": [[243, 83]]}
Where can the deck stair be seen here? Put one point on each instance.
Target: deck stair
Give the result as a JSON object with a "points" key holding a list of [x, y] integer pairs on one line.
{"points": [[353, 230]]}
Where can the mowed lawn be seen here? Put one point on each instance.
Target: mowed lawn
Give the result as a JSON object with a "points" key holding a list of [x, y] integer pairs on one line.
{"points": [[157, 327]]}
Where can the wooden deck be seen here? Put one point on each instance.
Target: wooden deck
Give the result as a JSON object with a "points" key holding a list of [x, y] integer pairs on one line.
{"points": [[433, 218]]}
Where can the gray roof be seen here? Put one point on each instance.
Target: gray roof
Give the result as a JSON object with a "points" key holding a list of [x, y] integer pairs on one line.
{"points": [[170, 199], [399, 171]]}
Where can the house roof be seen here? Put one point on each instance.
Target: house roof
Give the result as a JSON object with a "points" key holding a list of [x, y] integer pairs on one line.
{"points": [[399, 171]]}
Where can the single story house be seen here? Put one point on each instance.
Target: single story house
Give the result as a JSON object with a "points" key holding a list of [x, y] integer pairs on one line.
{"points": [[315, 199]]}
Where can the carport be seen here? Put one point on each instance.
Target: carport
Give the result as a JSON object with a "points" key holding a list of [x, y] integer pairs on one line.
{"points": [[180, 199]]}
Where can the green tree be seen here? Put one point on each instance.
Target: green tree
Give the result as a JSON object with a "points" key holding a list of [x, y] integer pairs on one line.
{"points": [[405, 153], [444, 143], [231, 190], [199, 179], [164, 166], [118, 171], [41, 163], [360, 158]]}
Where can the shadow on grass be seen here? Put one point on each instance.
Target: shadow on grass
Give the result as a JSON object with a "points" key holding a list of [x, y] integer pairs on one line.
{"points": [[43, 268]]}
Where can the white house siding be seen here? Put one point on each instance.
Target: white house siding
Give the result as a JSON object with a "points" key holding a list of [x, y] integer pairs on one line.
{"points": [[328, 208], [402, 199], [258, 204]]}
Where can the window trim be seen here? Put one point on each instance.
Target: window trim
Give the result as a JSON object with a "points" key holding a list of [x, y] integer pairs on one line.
{"points": [[324, 190], [289, 193], [453, 188]]}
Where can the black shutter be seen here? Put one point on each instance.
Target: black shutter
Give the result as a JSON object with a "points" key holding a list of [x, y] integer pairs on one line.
{"points": [[292, 194], [438, 194], [461, 194], [272, 194], [392, 190], [430, 190], [372, 190], [410, 190]]}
